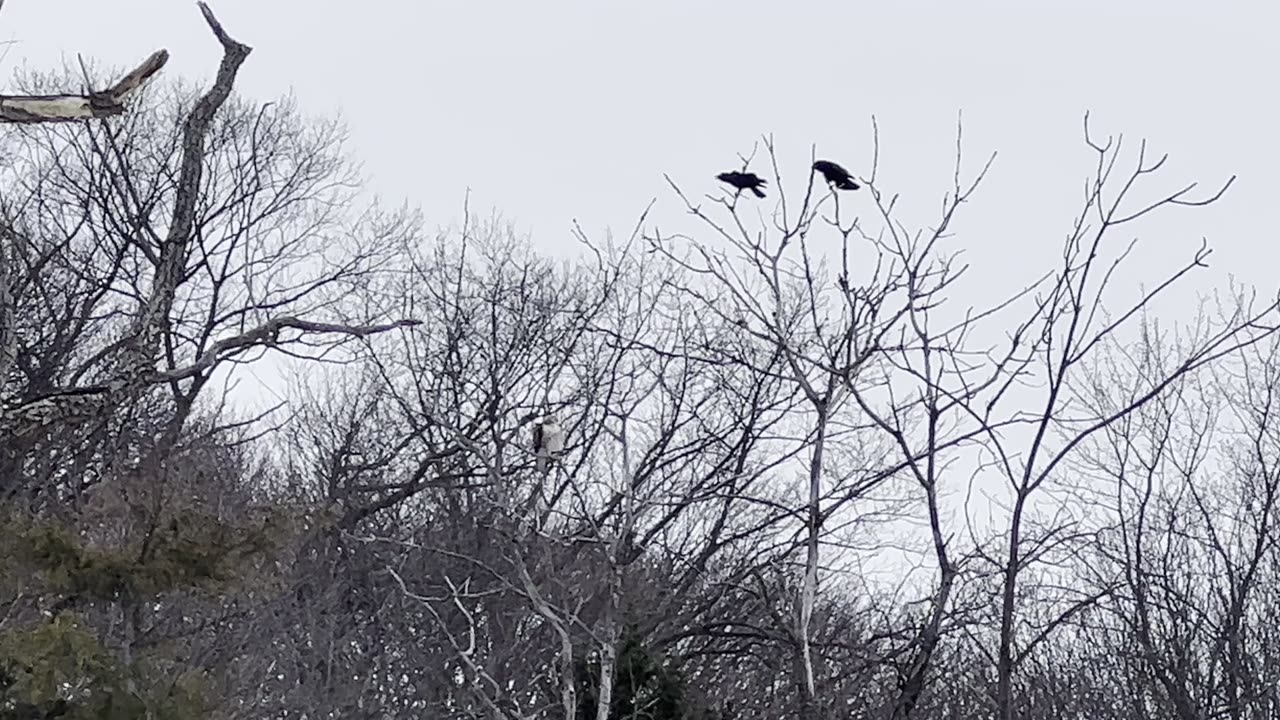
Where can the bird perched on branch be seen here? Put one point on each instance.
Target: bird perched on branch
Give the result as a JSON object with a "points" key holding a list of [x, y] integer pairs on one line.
{"points": [[744, 181], [836, 175], [548, 441]]}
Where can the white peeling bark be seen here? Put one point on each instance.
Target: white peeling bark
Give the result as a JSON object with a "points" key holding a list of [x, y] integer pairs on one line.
{"points": [[66, 108]]}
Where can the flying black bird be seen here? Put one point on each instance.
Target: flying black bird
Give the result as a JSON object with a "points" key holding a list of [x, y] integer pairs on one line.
{"points": [[836, 175], [744, 181]]}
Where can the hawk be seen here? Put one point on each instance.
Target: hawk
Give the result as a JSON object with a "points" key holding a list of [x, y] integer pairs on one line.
{"points": [[548, 441], [836, 175], [744, 181]]}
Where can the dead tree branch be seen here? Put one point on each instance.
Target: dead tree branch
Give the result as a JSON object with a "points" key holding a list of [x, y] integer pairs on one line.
{"points": [[93, 105]]}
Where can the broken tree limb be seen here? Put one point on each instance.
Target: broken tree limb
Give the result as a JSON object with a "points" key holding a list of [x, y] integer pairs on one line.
{"points": [[266, 335], [65, 108]]}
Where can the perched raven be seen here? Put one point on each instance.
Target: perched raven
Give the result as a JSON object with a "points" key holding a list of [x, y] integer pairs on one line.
{"points": [[744, 181], [836, 175]]}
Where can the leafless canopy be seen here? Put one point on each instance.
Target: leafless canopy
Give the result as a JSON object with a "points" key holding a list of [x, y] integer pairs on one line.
{"points": [[797, 479]]}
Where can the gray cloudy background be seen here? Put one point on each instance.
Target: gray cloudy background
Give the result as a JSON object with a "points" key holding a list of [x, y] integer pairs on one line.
{"points": [[550, 111]]}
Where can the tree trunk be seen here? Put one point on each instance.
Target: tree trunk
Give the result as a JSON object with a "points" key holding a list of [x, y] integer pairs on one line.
{"points": [[1004, 661], [810, 590]]}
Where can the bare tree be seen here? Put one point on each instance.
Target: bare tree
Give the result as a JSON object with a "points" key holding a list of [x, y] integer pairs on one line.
{"points": [[1193, 544], [141, 255], [100, 104], [966, 395], [1070, 322], [822, 326], [134, 269], [658, 464], [760, 414]]}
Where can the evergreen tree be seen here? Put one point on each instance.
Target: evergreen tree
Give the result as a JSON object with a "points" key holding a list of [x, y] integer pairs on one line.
{"points": [[644, 686]]}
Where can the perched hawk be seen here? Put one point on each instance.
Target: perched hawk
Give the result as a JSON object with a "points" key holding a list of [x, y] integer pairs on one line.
{"points": [[744, 181], [548, 441], [836, 175]]}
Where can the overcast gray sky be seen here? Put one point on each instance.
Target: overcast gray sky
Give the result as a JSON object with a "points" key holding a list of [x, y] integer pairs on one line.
{"points": [[555, 110]]}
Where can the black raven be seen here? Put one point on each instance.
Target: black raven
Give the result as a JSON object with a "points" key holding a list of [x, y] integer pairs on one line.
{"points": [[744, 181], [836, 175]]}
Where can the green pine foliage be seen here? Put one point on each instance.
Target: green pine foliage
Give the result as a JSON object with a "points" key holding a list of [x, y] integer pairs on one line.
{"points": [[54, 662], [60, 669], [644, 686], [193, 552]]}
